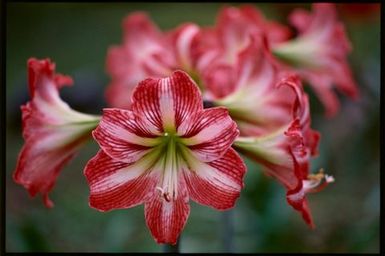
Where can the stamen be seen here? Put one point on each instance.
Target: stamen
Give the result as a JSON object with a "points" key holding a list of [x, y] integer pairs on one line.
{"points": [[329, 179], [169, 185], [166, 197], [312, 184], [161, 191], [315, 183]]}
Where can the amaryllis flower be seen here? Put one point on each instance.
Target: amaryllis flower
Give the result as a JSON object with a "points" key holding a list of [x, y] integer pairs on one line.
{"points": [[164, 151], [146, 51], [273, 115], [285, 152], [319, 54], [51, 129]]}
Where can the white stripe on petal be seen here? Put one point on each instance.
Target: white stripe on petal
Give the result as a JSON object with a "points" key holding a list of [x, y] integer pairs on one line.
{"points": [[166, 104]]}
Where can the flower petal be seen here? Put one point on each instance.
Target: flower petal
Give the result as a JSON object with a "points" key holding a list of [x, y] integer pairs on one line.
{"points": [[166, 103], [218, 183], [123, 136], [302, 206], [37, 170], [183, 40], [209, 134], [166, 220], [115, 184]]}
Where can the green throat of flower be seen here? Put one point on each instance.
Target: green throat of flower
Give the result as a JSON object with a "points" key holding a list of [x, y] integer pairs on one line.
{"points": [[298, 52], [168, 158]]}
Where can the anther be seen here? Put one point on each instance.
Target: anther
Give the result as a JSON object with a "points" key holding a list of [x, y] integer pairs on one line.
{"points": [[166, 197]]}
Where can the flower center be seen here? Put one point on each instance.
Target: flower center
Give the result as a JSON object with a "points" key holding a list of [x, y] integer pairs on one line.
{"points": [[169, 161]]}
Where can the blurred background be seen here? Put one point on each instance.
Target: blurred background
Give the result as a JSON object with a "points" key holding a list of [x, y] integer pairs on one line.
{"points": [[76, 37]]}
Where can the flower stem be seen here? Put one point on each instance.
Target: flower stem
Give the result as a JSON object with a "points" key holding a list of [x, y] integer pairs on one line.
{"points": [[171, 248], [228, 231]]}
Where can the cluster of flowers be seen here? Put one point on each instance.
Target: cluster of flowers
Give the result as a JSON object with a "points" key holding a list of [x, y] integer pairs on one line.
{"points": [[181, 103]]}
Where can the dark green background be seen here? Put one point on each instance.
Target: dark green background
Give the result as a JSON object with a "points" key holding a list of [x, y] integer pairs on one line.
{"points": [[76, 37]]}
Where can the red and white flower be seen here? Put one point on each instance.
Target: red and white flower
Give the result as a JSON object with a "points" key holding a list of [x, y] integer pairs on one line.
{"points": [[52, 131], [285, 152], [319, 54], [164, 151]]}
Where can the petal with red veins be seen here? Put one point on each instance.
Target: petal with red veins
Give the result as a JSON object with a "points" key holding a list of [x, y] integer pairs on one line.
{"points": [[123, 136], [165, 103], [218, 183], [115, 184], [183, 40], [209, 134], [166, 220]]}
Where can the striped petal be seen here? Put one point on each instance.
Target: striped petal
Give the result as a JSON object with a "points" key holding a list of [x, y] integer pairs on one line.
{"points": [[166, 103], [209, 134], [217, 184], [123, 136], [115, 184], [183, 40], [166, 219]]}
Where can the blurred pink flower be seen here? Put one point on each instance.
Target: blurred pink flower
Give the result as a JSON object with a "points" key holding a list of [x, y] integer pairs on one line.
{"points": [[319, 54], [146, 52]]}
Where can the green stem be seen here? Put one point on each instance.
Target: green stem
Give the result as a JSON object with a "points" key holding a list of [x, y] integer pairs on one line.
{"points": [[171, 248], [228, 231]]}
